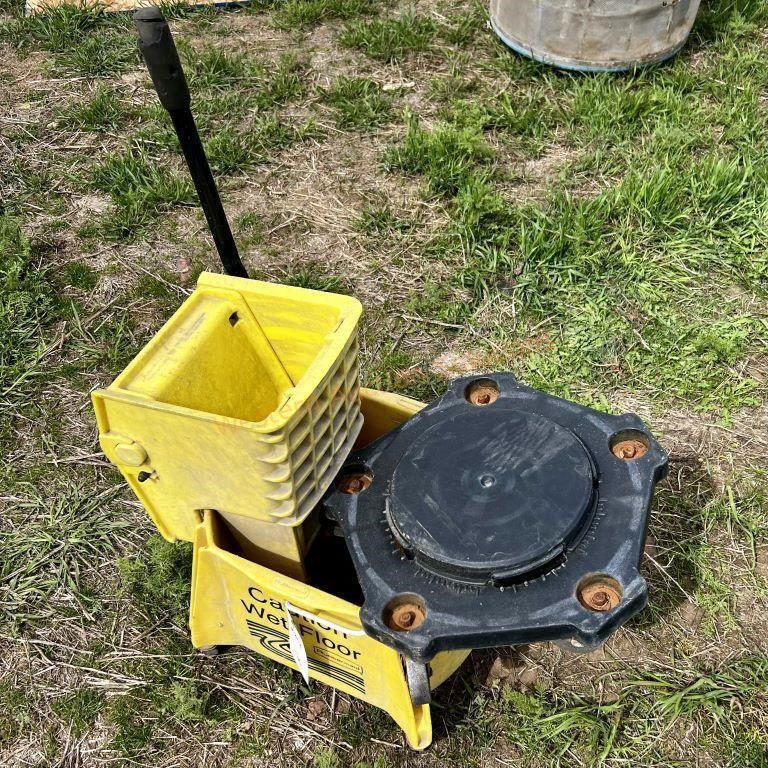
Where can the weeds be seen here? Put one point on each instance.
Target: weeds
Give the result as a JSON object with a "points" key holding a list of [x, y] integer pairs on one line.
{"points": [[159, 580], [140, 187], [231, 152], [314, 276], [51, 549], [213, 69], [82, 39], [104, 111], [79, 709], [620, 265]]}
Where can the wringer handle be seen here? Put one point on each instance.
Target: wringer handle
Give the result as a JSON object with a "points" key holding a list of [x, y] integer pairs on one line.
{"points": [[162, 59]]}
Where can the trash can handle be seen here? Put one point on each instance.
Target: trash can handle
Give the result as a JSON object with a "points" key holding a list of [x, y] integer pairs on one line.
{"points": [[162, 59]]}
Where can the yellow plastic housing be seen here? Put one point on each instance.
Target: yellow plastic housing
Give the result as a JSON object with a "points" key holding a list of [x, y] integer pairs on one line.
{"points": [[239, 602], [236, 601], [246, 402]]}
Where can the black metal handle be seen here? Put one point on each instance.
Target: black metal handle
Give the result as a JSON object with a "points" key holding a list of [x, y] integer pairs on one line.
{"points": [[162, 59]]}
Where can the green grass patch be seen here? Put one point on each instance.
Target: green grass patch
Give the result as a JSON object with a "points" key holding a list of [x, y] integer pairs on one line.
{"points": [[720, 20], [446, 156], [104, 111], [525, 121], [696, 532], [54, 547], [27, 306], [79, 709], [294, 14], [82, 38], [212, 68], [235, 99], [80, 275], [648, 279], [377, 221], [232, 151], [396, 371], [618, 270], [315, 276], [463, 26], [559, 728], [140, 187], [15, 713], [174, 698], [131, 732], [158, 579], [109, 346], [391, 39], [358, 103]]}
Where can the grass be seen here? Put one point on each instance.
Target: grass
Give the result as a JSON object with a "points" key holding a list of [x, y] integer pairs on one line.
{"points": [[310, 275], [51, 549], [559, 730], [231, 85], [159, 580], [295, 14], [104, 111], [230, 152], [391, 39], [140, 187], [26, 306], [447, 156], [215, 69], [358, 104], [663, 235], [79, 708], [603, 237], [82, 39], [375, 221], [80, 275]]}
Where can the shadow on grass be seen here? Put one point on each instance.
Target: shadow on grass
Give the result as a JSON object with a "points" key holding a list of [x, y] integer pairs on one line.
{"points": [[675, 540]]}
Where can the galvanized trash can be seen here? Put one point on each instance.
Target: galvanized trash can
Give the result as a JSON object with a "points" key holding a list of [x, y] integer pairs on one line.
{"points": [[594, 35]]}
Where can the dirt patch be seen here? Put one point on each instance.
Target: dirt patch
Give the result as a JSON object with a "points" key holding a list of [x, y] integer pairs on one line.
{"points": [[727, 450]]}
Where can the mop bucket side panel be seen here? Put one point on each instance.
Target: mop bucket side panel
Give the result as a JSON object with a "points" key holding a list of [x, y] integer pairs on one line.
{"points": [[382, 412], [238, 602], [181, 414]]}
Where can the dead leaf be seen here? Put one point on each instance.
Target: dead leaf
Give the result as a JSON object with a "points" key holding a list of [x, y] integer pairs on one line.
{"points": [[316, 708], [403, 85]]}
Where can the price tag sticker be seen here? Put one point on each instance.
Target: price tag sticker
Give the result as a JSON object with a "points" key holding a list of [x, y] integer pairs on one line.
{"points": [[296, 646]]}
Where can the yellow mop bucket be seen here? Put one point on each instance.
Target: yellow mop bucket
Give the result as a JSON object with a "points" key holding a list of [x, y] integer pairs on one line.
{"points": [[246, 402], [236, 601], [233, 422], [230, 425]]}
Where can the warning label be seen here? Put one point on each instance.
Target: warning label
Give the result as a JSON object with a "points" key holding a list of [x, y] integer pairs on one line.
{"points": [[322, 653], [332, 652]]}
